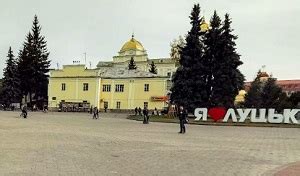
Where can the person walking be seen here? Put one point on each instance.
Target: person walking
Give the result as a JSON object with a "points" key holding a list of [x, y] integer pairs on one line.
{"points": [[182, 114], [105, 108], [95, 113], [146, 115], [91, 109], [136, 111], [45, 109], [140, 111], [24, 112]]}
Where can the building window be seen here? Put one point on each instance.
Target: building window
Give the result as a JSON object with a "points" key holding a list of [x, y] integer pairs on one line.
{"points": [[146, 104], [106, 88], [105, 105], [146, 87], [63, 86], [118, 105], [53, 98], [85, 86], [119, 88]]}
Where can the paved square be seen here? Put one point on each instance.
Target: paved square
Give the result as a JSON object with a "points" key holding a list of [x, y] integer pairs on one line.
{"points": [[74, 144]]}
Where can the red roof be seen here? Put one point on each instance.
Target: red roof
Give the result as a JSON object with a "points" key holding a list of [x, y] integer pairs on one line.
{"points": [[286, 85]]}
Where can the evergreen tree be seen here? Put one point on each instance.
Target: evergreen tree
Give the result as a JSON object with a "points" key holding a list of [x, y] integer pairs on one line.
{"points": [[225, 79], [212, 57], [131, 65], [10, 88], [189, 81], [41, 63], [26, 69], [153, 68], [283, 102], [33, 64], [294, 99], [270, 94], [253, 97], [1, 87]]}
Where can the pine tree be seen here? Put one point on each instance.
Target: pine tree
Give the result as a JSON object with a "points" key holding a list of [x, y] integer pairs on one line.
{"points": [[10, 88], [212, 54], [294, 99], [33, 64], [225, 78], [283, 102], [40, 59], [26, 69], [131, 65], [1, 88], [153, 68], [253, 97], [189, 81], [270, 94]]}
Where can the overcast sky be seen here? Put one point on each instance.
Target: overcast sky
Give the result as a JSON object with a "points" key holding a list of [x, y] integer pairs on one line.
{"points": [[268, 30]]}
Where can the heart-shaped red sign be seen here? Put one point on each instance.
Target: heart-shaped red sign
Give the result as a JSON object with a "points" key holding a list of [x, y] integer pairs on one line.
{"points": [[217, 113]]}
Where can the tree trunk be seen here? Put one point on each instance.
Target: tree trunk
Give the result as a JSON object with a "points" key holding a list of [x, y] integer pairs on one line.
{"points": [[30, 98]]}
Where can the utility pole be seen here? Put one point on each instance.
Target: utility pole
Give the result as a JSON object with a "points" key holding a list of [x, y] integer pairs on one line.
{"points": [[84, 58]]}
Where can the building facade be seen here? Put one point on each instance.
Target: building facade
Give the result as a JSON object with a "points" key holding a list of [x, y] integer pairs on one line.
{"points": [[111, 84], [75, 88]]}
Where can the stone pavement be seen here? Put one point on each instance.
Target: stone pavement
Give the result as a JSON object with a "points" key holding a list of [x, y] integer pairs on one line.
{"points": [[74, 144]]}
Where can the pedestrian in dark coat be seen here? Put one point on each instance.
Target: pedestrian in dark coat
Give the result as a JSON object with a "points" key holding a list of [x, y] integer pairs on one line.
{"points": [[105, 108], [24, 112], [91, 110], [95, 113], [146, 115], [140, 111], [182, 115], [136, 110]]}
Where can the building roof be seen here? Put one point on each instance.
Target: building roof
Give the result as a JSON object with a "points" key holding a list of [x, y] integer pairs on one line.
{"points": [[162, 60], [105, 64], [289, 85], [125, 73], [132, 44], [286, 85]]}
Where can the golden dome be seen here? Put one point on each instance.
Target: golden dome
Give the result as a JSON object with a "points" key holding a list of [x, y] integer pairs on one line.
{"points": [[242, 93], [132, 44], [204, 26]]}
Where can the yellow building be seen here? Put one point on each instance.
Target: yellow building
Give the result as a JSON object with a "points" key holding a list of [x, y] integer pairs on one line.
{"points": [[74, 84], [75, 87], [126, 89], [111, 84]]}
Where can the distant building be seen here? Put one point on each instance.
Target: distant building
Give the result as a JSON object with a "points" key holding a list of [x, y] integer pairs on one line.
{"points": [[134, 49], [111, 84], [287, 86]]}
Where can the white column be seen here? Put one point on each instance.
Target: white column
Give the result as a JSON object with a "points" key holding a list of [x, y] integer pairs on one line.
{"points": [[98, 89], [129, 95]]}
